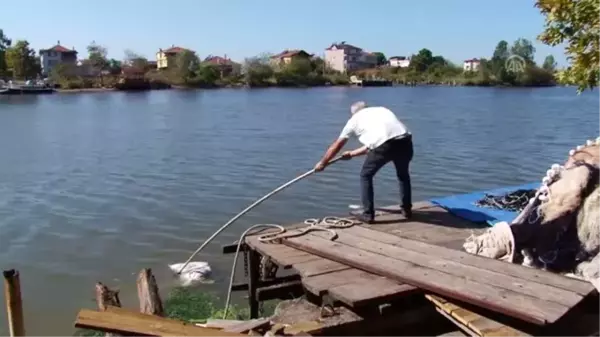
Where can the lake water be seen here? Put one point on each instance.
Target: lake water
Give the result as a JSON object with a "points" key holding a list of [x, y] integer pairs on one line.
{"points": [[94, 187]]}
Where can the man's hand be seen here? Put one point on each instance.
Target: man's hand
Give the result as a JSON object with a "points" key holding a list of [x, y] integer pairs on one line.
{"points": [[347, 155], [319, 167]]}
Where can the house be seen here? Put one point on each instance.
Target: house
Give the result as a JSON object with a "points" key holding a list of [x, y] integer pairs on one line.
{"points": [[225, 65], [399, 61], [55, 55], [471, 65], [345, 57], [133, 73], [166, 58], [287, 56]]}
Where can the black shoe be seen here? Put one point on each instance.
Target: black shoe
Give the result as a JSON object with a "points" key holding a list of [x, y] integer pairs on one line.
{"points": [[407, 213], [362, 217]]}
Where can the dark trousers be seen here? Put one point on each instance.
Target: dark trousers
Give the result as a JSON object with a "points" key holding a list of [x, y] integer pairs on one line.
{"points": [[398, 151]]}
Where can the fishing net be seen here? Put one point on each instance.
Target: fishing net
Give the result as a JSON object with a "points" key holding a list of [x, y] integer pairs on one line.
{"points": [[513, 202]]}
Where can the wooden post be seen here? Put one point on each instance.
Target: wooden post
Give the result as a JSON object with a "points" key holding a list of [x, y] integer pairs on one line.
{"points": [[106, 297], [147, 288], [253, 275], [14, 304]]}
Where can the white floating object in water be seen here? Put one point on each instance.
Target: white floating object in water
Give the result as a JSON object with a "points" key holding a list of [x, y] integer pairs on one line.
{"points": [[589, 142], [352, 206], [193, 273]]}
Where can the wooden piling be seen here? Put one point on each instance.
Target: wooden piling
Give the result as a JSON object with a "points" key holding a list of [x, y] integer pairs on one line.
{"points": [[106, 298], [253, 280], [14, 304], [150, 302]]}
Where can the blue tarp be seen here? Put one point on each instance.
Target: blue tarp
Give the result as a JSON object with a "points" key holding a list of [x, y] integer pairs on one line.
{"points": [[462, 205]]}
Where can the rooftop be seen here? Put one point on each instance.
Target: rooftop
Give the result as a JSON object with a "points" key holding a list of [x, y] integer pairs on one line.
{"points": [[60, 49], [290, 53]]}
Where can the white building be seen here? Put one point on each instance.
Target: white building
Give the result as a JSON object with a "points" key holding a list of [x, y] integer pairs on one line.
{"points": [[471, 65], [399, 61], [345, 57], [58, 54]]}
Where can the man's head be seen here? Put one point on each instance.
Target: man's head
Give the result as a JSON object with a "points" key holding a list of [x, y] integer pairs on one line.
{"points": [[356, 107]]}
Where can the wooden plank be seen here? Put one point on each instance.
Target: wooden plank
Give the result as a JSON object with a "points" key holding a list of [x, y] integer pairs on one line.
{"points": [[126, 322], [476, 323], [364, 293], [456, 333], [440, 263], [317, 267], [246, 326], [150, 302], [505, 301], [509, 269], [280, 291], [14, 303], [319, 284]]}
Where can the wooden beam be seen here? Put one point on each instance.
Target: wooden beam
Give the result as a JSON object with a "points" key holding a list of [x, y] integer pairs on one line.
{"points": [[150, 302], [122, 321], [253, 280], [285, 290], [14, 303]]}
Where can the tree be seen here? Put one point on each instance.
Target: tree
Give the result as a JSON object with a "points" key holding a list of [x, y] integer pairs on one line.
{"points": [[186, 64], [381, 59], [422, 60], [97, 56], [135, 60], [524, 49], [499, 58], [577, 23], [21, 60], [257, 71], [549, 63], [5, 42], [114, 66]]}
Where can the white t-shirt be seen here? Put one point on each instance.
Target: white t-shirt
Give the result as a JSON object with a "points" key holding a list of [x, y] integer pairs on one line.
{"points": [[374, 126]]}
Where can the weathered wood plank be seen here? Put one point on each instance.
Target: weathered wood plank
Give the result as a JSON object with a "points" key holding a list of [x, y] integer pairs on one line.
{"points": [[509, 269], [364, 293], [125, 322], [440, 263], [319, 284], [480, 325], [246, 326], [505, 301], [319, 266]]}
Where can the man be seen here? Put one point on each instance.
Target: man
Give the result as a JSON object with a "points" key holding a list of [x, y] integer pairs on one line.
{"points": [[384, 139]]}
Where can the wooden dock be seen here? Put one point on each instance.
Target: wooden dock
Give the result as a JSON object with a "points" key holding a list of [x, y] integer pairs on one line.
{"points": [[419, 262]]}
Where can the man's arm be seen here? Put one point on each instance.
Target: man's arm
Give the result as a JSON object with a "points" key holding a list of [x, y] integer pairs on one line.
{"points": [[358, 152], [333, 149]]}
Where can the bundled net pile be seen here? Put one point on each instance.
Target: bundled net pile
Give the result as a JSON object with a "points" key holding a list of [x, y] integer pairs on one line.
{"points": [[512, 202]]}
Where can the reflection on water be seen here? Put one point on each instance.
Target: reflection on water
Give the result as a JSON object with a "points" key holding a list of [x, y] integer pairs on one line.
{"points": [[96, 186]]}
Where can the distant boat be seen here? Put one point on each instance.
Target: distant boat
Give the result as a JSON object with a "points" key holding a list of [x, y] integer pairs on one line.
{"points": [[29, 88]]}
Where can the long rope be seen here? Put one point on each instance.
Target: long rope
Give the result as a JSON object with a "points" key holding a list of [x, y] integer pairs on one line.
{"points": [[247, 209], [326, 224]]}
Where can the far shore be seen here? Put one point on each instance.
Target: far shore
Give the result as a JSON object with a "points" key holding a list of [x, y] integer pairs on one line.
{"points": [[68, 91]]}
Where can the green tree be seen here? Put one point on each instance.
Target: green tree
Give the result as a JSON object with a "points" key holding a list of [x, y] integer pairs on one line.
{"points": [[549, 63], [114, 66], [576, 23], [422, 60], [524, 49], [21, 60], [257, 71], [97, 55], [5, 42], [135, 60], [186, 65], [499, 58], [381, 59]]}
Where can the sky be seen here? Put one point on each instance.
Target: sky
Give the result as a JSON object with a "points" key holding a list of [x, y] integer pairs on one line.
{"points": [[455, 29]]}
